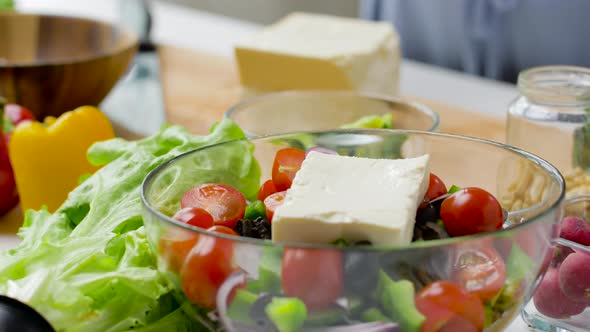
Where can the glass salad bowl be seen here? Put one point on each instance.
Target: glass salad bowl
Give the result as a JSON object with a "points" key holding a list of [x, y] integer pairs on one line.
{"points": [[470, 283], [290, 111]]}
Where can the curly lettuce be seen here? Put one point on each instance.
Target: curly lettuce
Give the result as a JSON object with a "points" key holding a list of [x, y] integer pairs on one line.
{"points": [[89, 266]]}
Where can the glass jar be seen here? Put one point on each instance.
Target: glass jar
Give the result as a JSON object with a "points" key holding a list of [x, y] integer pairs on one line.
{"points": [[551, 118]]}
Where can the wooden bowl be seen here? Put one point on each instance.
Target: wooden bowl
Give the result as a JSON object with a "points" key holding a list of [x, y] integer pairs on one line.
{"points": [[53, 64]]}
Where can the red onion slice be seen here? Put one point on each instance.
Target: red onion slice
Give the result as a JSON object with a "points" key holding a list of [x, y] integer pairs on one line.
{"points": [[321, 149]]}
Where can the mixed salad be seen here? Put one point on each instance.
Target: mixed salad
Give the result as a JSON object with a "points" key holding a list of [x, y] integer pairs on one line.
{"points": [[305, 289]]}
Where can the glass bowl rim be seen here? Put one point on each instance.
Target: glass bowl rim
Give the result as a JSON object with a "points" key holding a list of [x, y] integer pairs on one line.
{"points": [[421, 108], [549, 168]]}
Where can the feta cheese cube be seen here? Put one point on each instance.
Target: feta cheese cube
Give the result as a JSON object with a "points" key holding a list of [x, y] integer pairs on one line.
{"points": [[356, 199]]}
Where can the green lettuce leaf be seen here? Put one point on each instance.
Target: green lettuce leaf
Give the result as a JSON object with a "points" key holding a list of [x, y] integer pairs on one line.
{"points": [[384, 121], [89, 266], [6, 4]]}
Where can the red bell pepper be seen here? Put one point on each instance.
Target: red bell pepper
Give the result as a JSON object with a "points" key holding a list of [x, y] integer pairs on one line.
{"points": [[8, 192]]}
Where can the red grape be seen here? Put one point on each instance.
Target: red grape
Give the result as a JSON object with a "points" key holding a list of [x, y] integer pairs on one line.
{"points": [[575, 229], [550, 300], [574, 277], [560, 253]]}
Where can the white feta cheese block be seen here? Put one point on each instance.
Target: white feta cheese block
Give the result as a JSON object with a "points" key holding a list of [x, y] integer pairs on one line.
{"points": [[305, 51], [356, 199]]}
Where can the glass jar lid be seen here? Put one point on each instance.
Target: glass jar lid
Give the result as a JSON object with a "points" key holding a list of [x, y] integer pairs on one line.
{"points": [[563, 86]]}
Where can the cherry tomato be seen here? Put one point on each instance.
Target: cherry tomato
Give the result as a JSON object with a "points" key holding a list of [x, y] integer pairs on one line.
{"points": [[286, 164], [481, 271], [442, 300], [205, 269], [436, 188], [174, 246], [272, 202], [458, 323], [315, 276], [222, 229], [471, 211], [436, 316], [17, 113], [226, 205], [194, 216], [268, 188]]}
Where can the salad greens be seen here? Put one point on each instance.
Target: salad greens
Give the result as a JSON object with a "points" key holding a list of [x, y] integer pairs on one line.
{"points": [[89, 266], [384, 121], [397, 298], [288, 314], [255, 210], [6, 4]]}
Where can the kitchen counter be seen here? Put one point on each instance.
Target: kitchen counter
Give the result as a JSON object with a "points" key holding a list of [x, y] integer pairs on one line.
{"points": [[189, 28]]}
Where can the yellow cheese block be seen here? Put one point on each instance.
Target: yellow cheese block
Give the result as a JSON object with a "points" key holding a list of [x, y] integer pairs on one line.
{"points": [[319, 52]]}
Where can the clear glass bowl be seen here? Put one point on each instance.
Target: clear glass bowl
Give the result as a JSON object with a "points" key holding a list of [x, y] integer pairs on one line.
{"points": [[291, 111], [233, 296], [577, 206]]}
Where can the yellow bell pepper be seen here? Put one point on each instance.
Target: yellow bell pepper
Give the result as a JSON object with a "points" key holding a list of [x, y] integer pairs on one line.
{"points": [[48, 158]]}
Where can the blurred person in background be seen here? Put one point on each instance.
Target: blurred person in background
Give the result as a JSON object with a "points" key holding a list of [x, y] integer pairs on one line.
{"points": [[491, 38]]}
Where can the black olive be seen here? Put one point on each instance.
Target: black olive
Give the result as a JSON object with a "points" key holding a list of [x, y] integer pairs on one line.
{"points": [[429, 213], [17, 316], [258, 228], [361, 272]]}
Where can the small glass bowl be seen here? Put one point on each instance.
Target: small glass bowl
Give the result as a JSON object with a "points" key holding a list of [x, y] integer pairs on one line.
{"points": [[291, 111], [185, 252], [577, 206]]}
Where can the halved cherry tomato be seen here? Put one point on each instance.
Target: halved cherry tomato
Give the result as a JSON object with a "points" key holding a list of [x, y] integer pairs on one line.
{"points": [[268, 188], [471, 211], [436, 316], [205, 269], [286, 164], [272, 202], [480, 270], [315, 276], [436, 187], [227, 205], [194, 216], [174, 246], [222, 229], [442, 300]]}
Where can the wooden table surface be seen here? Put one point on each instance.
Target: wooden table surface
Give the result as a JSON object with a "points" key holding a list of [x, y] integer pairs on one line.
{"points": [[199, 88]]}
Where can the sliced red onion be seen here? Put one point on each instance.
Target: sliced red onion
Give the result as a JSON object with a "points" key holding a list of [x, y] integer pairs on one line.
{"points": [[364, 327], [321, 149]]}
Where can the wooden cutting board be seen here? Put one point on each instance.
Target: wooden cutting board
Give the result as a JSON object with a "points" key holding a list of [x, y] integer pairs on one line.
{"points": [[199, 88]]}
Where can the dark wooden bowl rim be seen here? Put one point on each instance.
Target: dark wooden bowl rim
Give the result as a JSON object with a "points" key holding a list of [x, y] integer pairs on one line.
{"points": [[129, 41]]}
